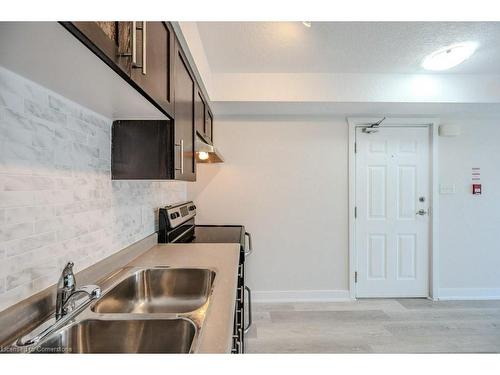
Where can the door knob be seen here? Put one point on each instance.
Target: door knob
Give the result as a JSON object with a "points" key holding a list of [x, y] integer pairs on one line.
{"points": [[421, 212]]}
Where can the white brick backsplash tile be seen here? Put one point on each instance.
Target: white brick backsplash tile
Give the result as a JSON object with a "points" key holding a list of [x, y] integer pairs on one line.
{"points": [[14, 231], [20, 151], [80, 126], [15, 295], [10, 100], [36, 110], [32, 259], [22, 277], [53, 197], [96, 120], [10, 116], [24, 183], [85, 151], [16, 198], [14, 166], [44, 141], [71, 231], [27, 214], [13, 133], [18, 247], [57, 199], [65, 106], [70, 135]]}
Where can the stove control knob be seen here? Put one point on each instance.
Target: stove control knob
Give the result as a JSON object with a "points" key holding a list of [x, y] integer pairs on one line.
{"points": [[192, 208]]}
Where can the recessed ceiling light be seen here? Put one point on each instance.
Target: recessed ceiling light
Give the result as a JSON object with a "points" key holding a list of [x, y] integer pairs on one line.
{"points": [[306, 23], [450, 56]]}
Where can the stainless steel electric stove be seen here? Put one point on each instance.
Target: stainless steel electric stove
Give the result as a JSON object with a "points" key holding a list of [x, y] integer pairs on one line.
{"points": [[177, 225]]}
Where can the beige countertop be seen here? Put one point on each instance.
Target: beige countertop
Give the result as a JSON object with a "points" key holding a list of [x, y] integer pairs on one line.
{"points": [[217, 330]]}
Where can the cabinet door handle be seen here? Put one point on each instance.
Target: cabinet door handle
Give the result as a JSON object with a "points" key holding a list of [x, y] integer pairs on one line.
{"points": [[144, 46], [250, 248], [247, 328], [134, 43], [181, 146]]}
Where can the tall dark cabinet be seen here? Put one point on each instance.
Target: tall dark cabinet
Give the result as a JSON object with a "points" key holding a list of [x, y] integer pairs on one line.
{"points": [[184, 118]]}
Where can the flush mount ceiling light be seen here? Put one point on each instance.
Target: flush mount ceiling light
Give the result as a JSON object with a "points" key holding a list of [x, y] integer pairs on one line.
{"points": [[450, 56], [306, 23]]}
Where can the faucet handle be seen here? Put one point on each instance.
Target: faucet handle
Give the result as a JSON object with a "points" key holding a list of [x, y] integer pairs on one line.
{"points": [[68, 277], [94, 291]]}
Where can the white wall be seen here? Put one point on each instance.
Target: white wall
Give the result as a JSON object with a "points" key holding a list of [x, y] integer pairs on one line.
{"points": [[286, 180], [57, 200], [470, 225]]}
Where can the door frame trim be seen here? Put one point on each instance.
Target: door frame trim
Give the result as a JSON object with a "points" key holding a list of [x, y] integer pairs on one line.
{"points": [[433, 124]]}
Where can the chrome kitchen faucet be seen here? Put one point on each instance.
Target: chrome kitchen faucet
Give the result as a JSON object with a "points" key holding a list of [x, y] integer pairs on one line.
{"points": [[66, 289]]}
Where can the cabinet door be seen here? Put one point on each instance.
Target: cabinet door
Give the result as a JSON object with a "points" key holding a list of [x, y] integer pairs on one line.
{"points": [[111, 40], [200, 110], [152, 71], [184, 90], [209, 125]]}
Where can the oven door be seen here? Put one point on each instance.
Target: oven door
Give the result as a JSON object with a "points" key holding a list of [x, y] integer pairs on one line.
{"points": [[183, 233]]}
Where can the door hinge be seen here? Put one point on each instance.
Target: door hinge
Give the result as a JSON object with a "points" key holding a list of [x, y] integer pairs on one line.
{"points": [[355, 212], [355, 147], [356, 276]]}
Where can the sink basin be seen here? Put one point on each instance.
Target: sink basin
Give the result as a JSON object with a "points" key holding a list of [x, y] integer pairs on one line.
{"points": [[158, 290], [122, 336]]}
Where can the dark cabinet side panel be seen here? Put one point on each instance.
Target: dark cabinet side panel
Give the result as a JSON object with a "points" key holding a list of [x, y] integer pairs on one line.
{"points": [[142, 150]]}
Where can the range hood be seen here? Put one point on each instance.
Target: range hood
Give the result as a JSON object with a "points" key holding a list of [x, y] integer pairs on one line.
{"points": [[206, 152]]}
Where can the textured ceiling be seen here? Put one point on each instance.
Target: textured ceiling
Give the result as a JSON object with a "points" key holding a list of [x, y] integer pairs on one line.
{"points": [[344, 47]]}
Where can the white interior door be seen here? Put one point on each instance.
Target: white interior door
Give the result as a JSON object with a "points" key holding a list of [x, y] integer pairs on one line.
{"points": [[392, 204]]}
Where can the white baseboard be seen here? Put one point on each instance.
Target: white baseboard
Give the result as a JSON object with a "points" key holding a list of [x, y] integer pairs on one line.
{"points": [[468, 294], [301, 296]]}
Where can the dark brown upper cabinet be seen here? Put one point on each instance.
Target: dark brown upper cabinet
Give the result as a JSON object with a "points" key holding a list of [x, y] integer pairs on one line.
{"points": [[200, 112], [149, 57], [184, 118], [110, 40], [151, 60], [141, 52], [203, 116]]}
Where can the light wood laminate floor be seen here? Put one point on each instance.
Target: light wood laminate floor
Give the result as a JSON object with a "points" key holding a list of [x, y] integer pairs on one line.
{"points": [[376, 326]]}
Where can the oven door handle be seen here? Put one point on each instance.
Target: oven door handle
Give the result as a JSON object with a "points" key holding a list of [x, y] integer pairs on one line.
{"points": [[250, 248], [183, 233], [247, 328]]}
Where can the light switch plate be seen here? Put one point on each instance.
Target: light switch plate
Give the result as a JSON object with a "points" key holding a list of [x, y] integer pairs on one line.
{"points": [[447, 189]]}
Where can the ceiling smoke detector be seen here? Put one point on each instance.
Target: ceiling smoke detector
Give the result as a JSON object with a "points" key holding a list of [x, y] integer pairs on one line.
{"points": [[450, 56]]}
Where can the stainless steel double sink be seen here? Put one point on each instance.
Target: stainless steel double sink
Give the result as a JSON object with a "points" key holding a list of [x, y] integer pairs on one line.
{"points": [[142, 310]]}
